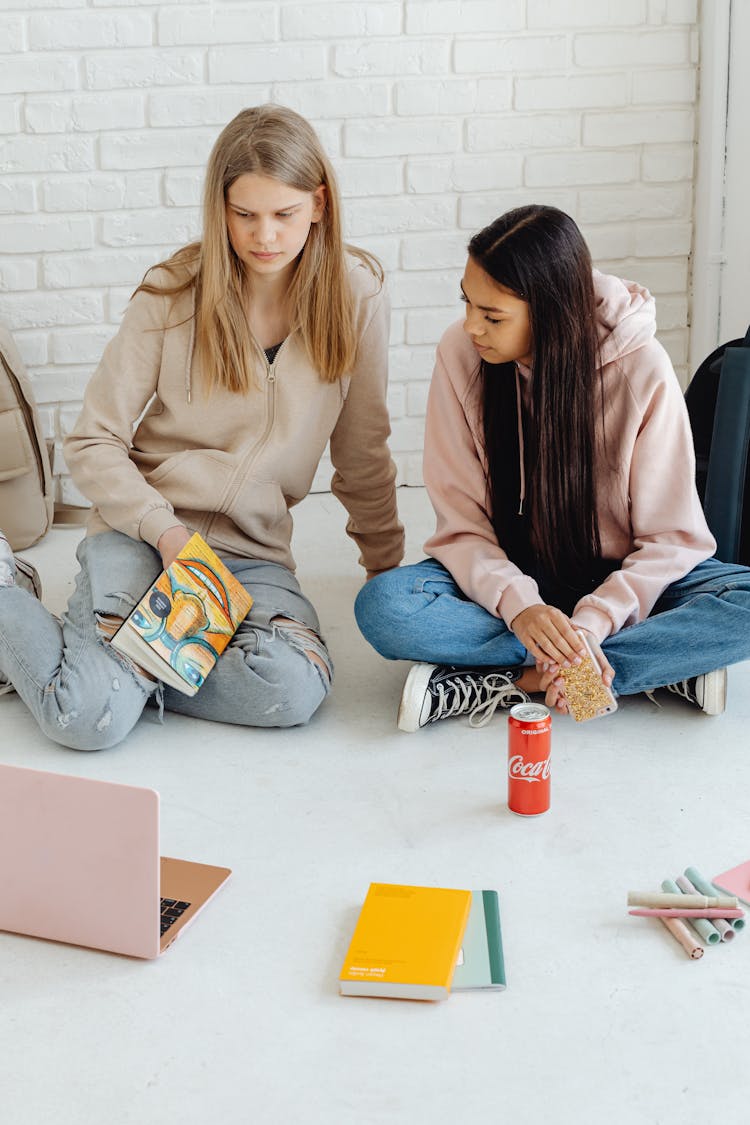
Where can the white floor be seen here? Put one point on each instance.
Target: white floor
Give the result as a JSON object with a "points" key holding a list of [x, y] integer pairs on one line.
{"points": [[604, 1018]]}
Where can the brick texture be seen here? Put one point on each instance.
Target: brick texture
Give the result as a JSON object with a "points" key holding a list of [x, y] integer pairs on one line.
{"points": [[437, 114]]}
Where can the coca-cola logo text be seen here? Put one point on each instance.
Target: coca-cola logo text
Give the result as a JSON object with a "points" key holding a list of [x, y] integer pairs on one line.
{"points": [[528, 771]]}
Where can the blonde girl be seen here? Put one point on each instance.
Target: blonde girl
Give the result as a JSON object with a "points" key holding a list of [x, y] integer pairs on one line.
{"points": [[238, 361]]}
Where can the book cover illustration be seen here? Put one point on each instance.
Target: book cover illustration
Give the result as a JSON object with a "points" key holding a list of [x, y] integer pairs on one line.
{"points": [[191, 612], [406, 942], [481, 963]]}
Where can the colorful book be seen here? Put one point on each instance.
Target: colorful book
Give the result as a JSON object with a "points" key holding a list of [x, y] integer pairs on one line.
{"points": [[481, 963], [406, 942], [185, 619]]}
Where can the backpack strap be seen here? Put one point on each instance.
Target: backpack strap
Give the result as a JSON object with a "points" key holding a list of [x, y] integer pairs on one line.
{"points": [[727, 490], [70, 515]]}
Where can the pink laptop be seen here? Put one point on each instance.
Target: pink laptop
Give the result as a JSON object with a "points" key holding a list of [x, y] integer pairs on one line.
{"points": [[79, 863]]}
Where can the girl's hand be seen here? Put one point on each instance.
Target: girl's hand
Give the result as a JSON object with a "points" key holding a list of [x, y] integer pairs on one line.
{"points": [[374, 573], [553, 685], [171, 543], [548, 635], [608, 672]]}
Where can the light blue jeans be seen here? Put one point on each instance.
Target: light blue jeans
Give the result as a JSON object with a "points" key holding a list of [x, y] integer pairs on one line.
{"points": [[87, 696], [700, 623]]}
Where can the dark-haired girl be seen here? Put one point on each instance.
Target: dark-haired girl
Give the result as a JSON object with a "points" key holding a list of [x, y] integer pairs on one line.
{"points": [[559, 461]]}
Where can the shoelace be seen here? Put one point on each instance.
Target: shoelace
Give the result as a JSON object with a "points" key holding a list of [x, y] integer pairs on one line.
{"points": [[497, 696], [681, 688], [480, 698]]}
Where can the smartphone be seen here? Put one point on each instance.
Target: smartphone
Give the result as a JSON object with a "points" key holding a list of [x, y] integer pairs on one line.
{"points": [[585, 693]]}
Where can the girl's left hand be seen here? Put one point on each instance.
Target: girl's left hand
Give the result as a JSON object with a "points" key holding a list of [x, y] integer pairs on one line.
{"points": [[553, 685], [374, 573], [546, 632]]}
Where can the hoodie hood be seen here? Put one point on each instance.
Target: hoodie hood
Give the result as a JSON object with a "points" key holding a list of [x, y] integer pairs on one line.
{"points": [[626, 316]]}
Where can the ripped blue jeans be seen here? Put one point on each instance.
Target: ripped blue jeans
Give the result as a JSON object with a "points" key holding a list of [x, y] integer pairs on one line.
{"points": [[85, 695]]}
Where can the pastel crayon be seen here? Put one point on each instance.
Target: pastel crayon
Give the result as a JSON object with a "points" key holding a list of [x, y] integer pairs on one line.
{"points": [[706, 887], [720, 920], [705, 929], [680, 932], [646, 898], [673, 912]]}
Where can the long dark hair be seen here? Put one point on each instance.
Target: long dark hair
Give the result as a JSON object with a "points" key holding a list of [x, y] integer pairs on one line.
{"points": [[538, 253]]}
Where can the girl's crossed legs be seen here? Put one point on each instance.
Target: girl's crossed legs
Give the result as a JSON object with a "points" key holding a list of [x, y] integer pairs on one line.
{"points": [[701, 623], [275, 672]]}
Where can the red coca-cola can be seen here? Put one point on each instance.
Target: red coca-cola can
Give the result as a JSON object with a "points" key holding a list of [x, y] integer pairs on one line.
{"points": [[529, 745]]}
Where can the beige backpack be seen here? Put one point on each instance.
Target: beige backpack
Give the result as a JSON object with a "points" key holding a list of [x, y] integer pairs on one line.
{"points": [[26, 498]]}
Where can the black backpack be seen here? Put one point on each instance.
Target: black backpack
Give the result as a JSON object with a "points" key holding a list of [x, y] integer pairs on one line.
{"points": [[718, 403]]}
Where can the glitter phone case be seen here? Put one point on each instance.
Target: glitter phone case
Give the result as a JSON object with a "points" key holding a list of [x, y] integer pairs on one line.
{"points": [[586, 695]]}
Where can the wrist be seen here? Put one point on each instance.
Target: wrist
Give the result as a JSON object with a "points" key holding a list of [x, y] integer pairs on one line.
{"points": [[177, 531], [171, 542]]}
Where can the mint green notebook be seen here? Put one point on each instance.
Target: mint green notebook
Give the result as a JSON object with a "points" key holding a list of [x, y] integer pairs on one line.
{"points": [[480, 962]]}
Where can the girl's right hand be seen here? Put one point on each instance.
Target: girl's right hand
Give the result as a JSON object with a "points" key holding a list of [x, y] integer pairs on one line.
{"points": [[552, 686], [171, 543], [548, 635]]}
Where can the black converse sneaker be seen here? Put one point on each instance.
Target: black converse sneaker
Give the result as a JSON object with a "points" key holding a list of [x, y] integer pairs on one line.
{"points": [[709, 691], [15, 571], [434, 691]]}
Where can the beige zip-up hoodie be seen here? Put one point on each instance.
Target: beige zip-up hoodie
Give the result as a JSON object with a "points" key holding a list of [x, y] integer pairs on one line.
{"points": [[650, 516], [231, 466]]}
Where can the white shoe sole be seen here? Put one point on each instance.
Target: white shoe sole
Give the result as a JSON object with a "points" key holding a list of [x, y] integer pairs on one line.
{"points": [[714, 692], [413, 696]]}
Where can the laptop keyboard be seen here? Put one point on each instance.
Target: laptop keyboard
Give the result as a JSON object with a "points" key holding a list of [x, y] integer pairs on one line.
{"points": [[171, 910]]}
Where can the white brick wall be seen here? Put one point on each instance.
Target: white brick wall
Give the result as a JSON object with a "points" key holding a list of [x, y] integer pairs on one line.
{"points": [[438, 114]]}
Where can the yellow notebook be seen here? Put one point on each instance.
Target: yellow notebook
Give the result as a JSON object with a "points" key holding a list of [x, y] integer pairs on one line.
{"points": [[406, 942]]}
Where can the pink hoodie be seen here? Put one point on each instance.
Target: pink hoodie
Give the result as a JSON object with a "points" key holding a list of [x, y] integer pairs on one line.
{"points": [[650, 515]]}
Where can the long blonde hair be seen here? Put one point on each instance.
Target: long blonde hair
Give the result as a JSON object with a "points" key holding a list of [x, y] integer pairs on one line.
{"points": [[273, 141]]}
